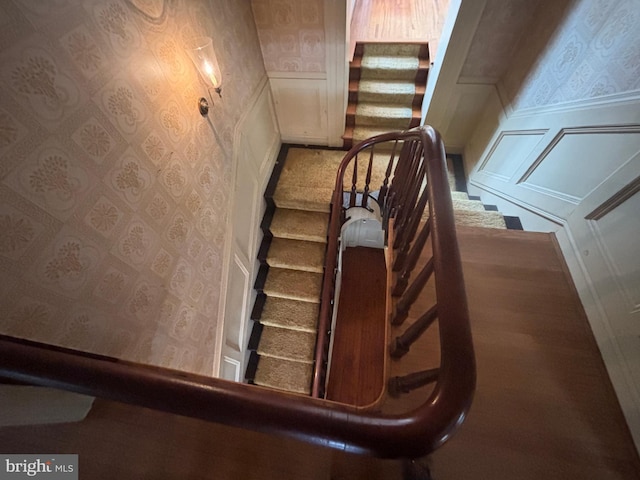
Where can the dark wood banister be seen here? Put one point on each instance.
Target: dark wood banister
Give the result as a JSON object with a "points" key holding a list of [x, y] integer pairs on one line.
{"points": [[321, 422]]}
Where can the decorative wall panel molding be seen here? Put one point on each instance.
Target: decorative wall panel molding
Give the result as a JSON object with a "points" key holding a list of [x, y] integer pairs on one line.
{"points": [[509, 151], [594, 152], [301, 108]]}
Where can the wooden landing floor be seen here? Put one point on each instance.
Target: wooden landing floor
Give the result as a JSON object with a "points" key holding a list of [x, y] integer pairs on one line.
{"points": [[544, 407], [360, 329]]}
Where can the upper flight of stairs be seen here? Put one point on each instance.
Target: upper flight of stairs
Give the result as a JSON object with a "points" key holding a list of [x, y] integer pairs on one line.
{"points": [[386, 88]]}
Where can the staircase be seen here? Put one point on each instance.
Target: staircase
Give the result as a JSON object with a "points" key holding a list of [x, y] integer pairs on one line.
{"points": [[292, 253], [292, 260], [386, 87]]}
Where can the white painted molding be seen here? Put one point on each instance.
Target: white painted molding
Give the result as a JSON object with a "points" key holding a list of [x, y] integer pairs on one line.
{"points": [[270, 150], [516, 201], [301, 109], [457, 34], [336, 46], [625, 389], [587, 103], [298, 75]]}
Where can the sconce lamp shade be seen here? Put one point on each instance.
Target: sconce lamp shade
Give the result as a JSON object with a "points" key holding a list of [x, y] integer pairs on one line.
{"points": [[200, 50]]}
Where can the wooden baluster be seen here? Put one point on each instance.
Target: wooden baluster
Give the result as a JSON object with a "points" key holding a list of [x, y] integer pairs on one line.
{"points": [[354, 183], [409, 208], [410, 382], [365, 195], [415, 176], [410, 296], [407, 231], [400, 175], [403, 343], [382, 198], [388, 210], [412, 259]]}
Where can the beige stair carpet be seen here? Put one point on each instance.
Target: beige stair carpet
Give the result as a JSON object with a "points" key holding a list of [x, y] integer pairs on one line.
{"points": [[309, 177], [303, 198], [486, 219], [296, 254], [287, 344], [300, 225], [293, 284], [386, 89], [474, 205], [391, 91], [284, 375], [293, 314]]}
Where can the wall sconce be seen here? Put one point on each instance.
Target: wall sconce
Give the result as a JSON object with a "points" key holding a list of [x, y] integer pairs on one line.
{"points": [[201, 52]]}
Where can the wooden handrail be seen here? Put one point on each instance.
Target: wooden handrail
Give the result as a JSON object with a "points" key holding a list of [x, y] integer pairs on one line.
{"points": [[318, 421]]}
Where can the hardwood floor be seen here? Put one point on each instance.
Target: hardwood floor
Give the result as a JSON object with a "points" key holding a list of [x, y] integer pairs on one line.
{"points": [[398, 20], [544, 406]]}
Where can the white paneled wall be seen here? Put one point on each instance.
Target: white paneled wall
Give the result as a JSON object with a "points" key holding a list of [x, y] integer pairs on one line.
{"points": [[257, 143]]}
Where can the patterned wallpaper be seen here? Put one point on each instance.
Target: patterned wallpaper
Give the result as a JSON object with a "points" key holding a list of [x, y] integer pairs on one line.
{"points": [[594, 53], [113, 189], [291, 34], [501, 25]]}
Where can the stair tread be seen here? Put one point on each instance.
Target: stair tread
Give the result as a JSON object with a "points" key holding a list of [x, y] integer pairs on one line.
{"points": [[470, 205], [460, 195], [392, 48], [387, 62], [296, 254], [293, 284], [303, 198], [469, 218], [383, 109], [285, 375], [287, 313], [287, 344], [390, 87], [300, 225]]}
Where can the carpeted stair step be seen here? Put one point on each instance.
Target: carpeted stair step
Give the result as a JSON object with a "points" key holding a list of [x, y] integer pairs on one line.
{"points": [[287, 344], [310, 168], [363, 132], [284, 375], [303, 198], [471, 205], [470, 218], [292, 314], [296, 254], [299, 225], [388, 67], [293, 284], [380, 115], [390, 91], [392, 49], [459, 195]]}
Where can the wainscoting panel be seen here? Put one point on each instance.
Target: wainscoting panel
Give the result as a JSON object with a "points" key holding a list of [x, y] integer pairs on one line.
{"points": [[594, 152], [501, 161], [548, 162], [583, 175], [301, 108], [237, 301], [231, 369], [601, 246], [256, 143]]}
